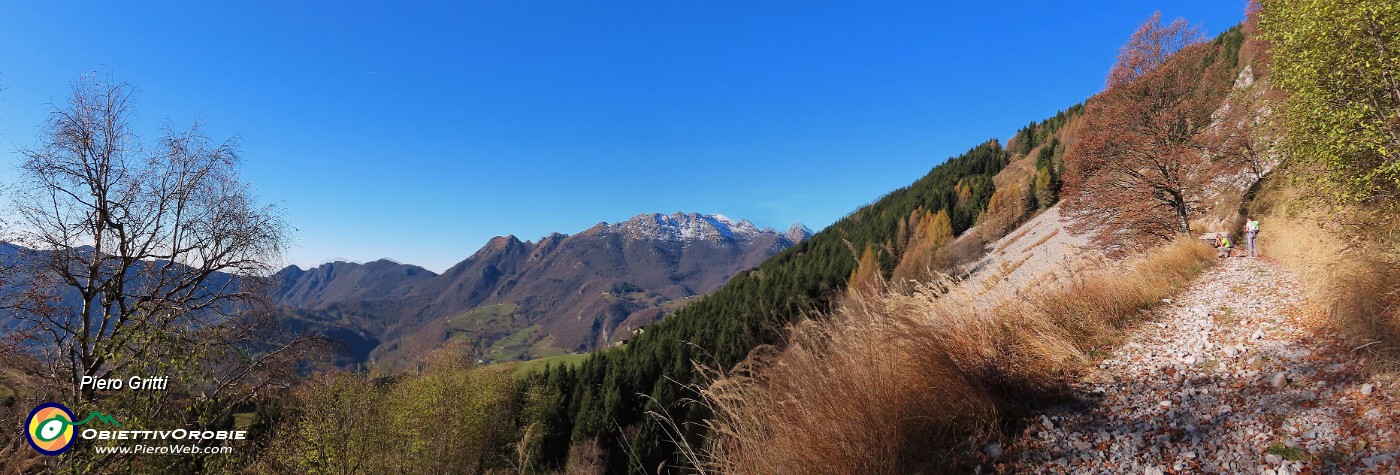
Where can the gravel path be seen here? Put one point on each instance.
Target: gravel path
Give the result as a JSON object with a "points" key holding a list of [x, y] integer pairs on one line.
{"points": [[1237, 374]]}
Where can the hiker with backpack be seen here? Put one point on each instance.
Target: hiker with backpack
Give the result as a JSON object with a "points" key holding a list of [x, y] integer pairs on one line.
{"points": [[1251, 231], [1222, 244]]}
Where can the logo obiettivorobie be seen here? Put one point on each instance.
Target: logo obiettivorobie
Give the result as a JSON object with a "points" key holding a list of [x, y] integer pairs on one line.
{"points": [[49, 427]]}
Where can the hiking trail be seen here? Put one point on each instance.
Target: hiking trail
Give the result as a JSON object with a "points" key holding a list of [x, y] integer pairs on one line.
{"points": [[1237, 373]]}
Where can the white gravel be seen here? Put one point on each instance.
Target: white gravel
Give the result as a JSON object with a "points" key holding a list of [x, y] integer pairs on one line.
{"points": [[1237, 374], [1036, 252]]}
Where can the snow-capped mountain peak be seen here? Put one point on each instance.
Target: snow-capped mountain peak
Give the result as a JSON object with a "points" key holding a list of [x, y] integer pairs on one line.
{"points": [[799, 232], [686, 227]]}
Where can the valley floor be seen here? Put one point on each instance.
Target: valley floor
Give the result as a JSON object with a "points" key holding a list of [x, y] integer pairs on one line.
{"points": [[1236, 374]]}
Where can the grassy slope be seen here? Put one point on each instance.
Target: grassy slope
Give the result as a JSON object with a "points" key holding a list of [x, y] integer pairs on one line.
{"points": [[612, 390], [526, 367], [896, 383]]}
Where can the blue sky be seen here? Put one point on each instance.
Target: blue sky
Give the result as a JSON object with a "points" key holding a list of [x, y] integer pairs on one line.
{"points": [[417, 131]]}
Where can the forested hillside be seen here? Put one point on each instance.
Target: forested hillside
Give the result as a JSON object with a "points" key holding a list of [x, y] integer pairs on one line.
{"points": [[1066, 301], [608, 397], [634, 409], [905, 375]]}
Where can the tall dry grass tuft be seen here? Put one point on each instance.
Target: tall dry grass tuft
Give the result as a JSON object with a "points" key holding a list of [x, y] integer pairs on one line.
{"points": [[1357, 280], [1091, 308], [585, 458], [866, 391], [900, 382]]}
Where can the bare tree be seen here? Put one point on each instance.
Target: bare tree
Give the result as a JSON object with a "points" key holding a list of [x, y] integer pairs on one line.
{"points": [[1149, 48], [147, 260]]}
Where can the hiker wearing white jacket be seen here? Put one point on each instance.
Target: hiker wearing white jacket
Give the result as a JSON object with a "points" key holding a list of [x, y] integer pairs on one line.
{"points": [[1251, 230]]}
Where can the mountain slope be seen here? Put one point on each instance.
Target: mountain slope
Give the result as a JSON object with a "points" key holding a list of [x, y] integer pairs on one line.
{"points": [[612, 390], [561, 294], [342, 281]]}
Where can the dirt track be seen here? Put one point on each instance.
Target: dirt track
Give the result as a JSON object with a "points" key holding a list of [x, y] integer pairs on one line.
{"points": [[1236, 374]]}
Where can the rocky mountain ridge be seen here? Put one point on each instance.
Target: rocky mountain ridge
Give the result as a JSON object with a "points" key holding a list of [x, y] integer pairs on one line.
{"points": [[689, 227], [563, 293]]}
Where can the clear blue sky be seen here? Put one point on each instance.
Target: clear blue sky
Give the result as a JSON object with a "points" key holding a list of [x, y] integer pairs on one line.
{"points": [[417, 131]]}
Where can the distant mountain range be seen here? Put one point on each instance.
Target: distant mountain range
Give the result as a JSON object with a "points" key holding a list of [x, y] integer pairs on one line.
{"points": [[518, 299]]}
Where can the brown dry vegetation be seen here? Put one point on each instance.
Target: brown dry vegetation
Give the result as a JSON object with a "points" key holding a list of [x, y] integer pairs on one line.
{"points": [[931, 233], [1346, 259], [1015, 237], [891, 383], [1042, 239], [1010, 206]]}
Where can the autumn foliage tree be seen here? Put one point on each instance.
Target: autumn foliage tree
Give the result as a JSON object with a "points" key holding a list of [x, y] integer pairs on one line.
{"points": [[1138, 169], [1339, 63], [1149, 48], [1009, 206], [867, 280], [931, 233]]}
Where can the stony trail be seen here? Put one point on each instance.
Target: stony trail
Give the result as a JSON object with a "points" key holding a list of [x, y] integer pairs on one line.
{"points": [[1238, 373]]}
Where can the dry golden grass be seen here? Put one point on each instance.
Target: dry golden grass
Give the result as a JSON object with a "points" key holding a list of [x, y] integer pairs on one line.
{"points": [[1015, 237], [1044, 238], [1094, 307], [895, 383], [1356, 280], [1007, 270], [1003, 270], [1346, 255]]}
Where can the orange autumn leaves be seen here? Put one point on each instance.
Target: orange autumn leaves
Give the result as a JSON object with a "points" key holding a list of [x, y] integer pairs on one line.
{"points": [[931, 231]]}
